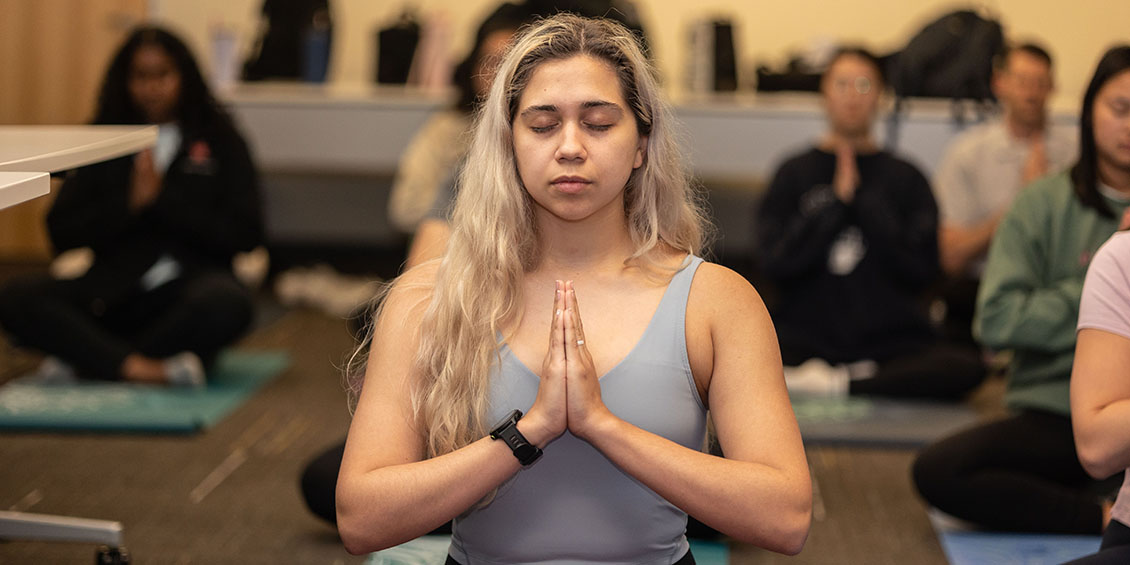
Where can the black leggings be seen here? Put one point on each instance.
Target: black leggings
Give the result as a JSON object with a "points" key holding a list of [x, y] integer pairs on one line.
{"points": [[940, 370], [200, 314], [1019, 474], [1115, 549], [687, 559]]}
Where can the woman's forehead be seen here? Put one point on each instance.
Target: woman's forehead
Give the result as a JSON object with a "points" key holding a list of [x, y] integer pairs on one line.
{"points": [[575, 82]]}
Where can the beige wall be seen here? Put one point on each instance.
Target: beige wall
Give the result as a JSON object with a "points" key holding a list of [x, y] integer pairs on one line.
{"points": [[1077, 32]]}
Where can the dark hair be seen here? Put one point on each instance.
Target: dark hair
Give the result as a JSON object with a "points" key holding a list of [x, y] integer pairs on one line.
{"points": [[1085, 172], [513, 16], [508, 16], [860, 52], [196, 110], [1000, 62]]}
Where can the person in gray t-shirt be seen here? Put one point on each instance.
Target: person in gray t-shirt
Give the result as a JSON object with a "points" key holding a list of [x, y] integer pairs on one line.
{"points": [[988, 165]]}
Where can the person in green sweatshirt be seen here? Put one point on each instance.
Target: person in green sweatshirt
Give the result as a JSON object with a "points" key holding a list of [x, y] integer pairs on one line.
{"points": [[1021, 473]]}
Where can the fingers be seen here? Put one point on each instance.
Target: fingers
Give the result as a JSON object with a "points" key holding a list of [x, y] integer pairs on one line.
{"points": [[144, 160], [575, 347], [572, 351], [557, 325], [574, 309]]}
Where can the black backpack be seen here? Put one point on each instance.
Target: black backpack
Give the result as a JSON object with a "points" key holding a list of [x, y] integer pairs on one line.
{"points": [[951, 57]]}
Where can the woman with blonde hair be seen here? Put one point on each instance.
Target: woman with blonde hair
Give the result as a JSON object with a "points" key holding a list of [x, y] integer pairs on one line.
{"points": [[573, 181]]}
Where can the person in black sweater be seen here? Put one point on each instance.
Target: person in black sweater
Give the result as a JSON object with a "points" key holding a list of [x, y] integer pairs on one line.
{"points": [[159, 300], [848, 235]]}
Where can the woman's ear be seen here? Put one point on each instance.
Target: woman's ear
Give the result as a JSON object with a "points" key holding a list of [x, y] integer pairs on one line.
{"points": [[641, 152]]}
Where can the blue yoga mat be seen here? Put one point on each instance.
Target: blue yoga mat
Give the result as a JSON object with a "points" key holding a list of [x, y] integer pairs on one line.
{"points": [[968, 547], [432, 550], [125, 407], [879, 422]]}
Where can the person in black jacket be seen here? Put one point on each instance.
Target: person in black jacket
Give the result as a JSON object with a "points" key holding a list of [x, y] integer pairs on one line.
{"points": [[160, 299], [848, 234]]}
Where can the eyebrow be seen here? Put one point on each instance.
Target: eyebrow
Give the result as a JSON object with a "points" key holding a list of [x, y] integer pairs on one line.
{"points": [[587, 105]]}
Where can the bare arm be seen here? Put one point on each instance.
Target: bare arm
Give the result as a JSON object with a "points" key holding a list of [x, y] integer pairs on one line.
{"points": [[387, 492], [959, 246], [761, 492], [1100, 401]]}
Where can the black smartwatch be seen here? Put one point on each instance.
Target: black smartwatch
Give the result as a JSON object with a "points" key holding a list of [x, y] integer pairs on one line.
{"points": [[507, 431]]}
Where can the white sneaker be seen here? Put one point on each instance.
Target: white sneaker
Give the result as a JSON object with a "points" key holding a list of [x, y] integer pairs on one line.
{"points": [[51, 371], [185, 369], [816, 377]]}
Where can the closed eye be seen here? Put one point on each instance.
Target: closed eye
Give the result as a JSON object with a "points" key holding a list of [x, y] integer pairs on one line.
{"points": [[599, 127]]}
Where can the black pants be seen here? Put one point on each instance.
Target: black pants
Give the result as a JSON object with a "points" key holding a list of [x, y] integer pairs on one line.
{"points": [[1115, 549], [960, 298], [200, 314], [1019, 474], [944, 371]]}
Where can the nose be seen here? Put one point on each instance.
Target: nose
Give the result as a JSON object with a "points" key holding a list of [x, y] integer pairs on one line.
{"points": [[572, 146]]}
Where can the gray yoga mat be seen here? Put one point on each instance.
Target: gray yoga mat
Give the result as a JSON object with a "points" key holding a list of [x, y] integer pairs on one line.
{"points": [[878, 422]]}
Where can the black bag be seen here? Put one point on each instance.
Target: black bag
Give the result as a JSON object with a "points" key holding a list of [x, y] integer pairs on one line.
{"points": [[951, 57], [396, 46], [287, 29]]}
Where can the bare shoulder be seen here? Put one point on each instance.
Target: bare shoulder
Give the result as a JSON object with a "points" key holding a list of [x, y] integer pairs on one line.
{"points": [[727, 326], [718, 290], [411, 291]]}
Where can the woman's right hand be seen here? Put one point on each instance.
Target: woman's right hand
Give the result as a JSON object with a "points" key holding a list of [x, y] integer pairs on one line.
{"points": [[548, 417], [145, 185]]}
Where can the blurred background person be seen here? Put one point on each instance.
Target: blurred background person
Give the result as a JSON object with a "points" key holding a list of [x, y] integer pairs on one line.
{"points": [[848, 236], [159, 300], [1021, 473], [985, 167]]}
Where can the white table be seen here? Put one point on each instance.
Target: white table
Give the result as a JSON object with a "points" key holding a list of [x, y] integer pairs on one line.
{"points": [[19, 187], [48, 149], [29, 153]]}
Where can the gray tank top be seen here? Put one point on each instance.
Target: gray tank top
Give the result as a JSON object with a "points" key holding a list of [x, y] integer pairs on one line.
{"points": [[573, 506]]}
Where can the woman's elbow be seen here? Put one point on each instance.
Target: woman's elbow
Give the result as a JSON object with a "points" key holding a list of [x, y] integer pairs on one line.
{"points": [[358, 535], [353, 535], [1096, 459], [789, 534], [794, 536], [785, 531]]}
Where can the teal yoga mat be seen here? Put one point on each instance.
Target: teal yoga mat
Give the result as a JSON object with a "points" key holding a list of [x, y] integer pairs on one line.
{"points": [[878, 422], [964, 546], [432, 550], [121, 407]]}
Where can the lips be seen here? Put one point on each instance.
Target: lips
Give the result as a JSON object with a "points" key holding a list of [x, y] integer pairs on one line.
{"points": [[570, 184]]}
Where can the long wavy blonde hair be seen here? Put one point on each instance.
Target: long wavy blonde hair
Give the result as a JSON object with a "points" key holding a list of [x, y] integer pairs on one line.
{"points": [[478, 285]]}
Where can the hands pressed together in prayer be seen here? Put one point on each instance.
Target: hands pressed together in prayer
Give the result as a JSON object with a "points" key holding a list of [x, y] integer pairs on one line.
{"points": [[569, 394], [146, 181], [846, 178]]}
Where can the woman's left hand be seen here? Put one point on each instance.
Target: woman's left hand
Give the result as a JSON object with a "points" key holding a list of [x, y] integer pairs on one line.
{"points": [[585, 407]]}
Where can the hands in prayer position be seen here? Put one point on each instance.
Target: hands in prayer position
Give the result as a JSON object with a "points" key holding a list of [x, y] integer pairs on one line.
{"points": [[569, 395], [146, 181], [846, 179]]}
